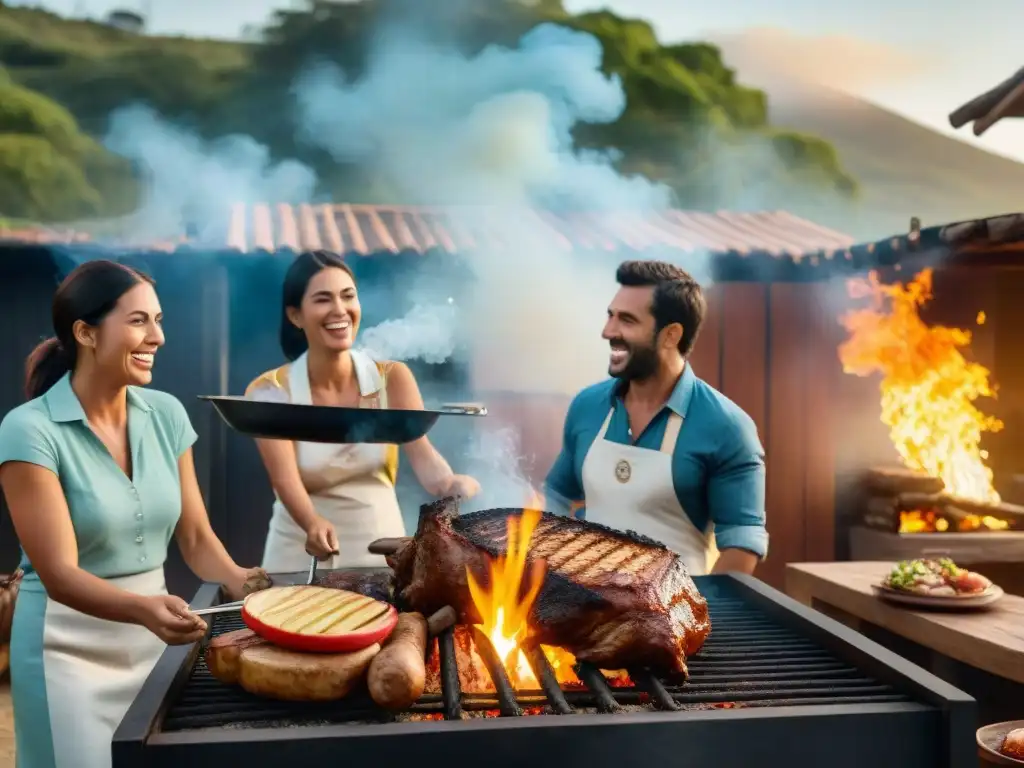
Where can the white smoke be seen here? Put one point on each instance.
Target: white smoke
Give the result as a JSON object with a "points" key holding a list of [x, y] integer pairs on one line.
{"points": [[192, 183], [426, 333], [491, 136]]}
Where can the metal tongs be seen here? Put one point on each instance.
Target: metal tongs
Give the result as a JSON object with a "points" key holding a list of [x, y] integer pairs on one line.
{"points": [[237, 605]]}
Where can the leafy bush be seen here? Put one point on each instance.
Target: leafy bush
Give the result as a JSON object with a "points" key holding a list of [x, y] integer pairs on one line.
{"points": [[51, 171]]}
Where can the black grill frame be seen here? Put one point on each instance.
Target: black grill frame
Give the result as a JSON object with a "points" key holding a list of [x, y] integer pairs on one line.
{"points": [[907, 718]]}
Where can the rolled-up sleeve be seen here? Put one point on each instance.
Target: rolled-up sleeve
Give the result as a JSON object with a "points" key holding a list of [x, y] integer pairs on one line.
{"points": [[562, 485], [736, 491]]}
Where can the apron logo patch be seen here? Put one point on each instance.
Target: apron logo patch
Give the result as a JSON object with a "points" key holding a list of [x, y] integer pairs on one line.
{"points": [[623, 471]]}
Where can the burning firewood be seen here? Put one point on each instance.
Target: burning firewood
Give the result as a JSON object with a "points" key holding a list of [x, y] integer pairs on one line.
{"points": [[929, 396], [1010, 513]]}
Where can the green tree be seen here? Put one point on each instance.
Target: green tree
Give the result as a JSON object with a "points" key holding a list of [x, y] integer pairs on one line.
{"points": [[49, 170], [684, 104], [689, 121]]}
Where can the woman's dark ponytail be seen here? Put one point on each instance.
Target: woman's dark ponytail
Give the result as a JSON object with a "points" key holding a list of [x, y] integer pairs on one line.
{"points": [[88, 294], [293, 340], [45, 366]]}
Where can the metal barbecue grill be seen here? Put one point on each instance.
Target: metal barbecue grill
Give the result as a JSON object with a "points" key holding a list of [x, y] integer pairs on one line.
{"points": [[775, 684]]}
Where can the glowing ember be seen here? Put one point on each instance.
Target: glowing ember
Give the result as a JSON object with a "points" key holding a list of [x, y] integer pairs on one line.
{"points": [[930, 521], [922, 522], [928, 387]]}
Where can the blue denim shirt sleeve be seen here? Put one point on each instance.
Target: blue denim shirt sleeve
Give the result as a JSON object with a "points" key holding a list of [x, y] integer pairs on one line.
{"points": [[562, 484], [736, 491]]}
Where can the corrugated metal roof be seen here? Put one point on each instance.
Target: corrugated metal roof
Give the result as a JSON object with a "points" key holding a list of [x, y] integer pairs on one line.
{"points": [[369, 229]]}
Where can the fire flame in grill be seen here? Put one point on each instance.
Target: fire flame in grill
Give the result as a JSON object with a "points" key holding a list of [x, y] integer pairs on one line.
{"points": [[504, 602], [928, 388]]}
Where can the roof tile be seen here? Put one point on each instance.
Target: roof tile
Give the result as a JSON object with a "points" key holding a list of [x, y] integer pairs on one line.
{"points": [[369, 229]]}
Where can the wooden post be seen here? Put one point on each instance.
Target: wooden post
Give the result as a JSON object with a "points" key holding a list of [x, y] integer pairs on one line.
{"points": [[1007, 320]]}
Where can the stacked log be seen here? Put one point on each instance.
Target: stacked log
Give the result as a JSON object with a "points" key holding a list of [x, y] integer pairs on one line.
{"points": [[890, 491]]}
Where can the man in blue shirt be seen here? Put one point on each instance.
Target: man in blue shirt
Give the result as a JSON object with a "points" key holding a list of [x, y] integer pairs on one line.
{"points": [[656, 450]]}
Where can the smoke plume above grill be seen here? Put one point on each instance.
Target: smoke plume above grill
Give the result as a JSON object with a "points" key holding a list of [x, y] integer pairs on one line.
{"points": [[491, 131]]}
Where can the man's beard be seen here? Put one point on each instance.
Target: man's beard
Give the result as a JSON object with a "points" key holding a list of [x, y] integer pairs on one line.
{"points": [[642, 364]]}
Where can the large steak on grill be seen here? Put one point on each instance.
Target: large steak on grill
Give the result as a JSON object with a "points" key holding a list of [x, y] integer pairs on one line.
{"points": [[612, 598]]}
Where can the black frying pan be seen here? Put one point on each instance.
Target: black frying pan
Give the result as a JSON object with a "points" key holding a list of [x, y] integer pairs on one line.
{"points": [[330, 424]]}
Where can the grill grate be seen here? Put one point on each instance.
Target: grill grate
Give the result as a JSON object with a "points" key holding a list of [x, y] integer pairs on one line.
{"points": [[749, 660]]}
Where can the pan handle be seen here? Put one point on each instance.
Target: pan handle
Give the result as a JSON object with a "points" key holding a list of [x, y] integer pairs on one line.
{"points": [[467, 409]]}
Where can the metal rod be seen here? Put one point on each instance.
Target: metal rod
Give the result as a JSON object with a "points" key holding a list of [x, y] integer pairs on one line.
{"points": [[225, 608], [662, 699], [546, 677], [507, 705], [592, 678], [451, 688]]}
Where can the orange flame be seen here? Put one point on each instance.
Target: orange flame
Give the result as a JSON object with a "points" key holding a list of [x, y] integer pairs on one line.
{"points": [[504, 605], [928, 388]]}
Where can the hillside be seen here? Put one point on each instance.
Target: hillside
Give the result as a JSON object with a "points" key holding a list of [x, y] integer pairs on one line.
{"points": [[92, 69], [900, 169], [904, 169], [686, 121]]}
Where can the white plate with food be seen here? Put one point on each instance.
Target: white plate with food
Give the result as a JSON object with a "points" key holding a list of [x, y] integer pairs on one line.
{"points": [[1002, 743], [937, 584]]}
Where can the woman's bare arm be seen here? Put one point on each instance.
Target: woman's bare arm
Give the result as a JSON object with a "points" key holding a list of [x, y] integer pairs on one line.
{"points": [[203, 551], [429, 466], [283, 469], [280, 460], [42, 521]]}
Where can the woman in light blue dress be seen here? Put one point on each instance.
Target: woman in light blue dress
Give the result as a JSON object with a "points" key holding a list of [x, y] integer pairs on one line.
{"points": [[98, 476]]}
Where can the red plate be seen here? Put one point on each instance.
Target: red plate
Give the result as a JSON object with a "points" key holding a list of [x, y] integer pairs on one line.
{"points": [[318, 619]]}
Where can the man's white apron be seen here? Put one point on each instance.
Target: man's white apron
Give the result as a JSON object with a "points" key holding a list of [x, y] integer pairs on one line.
{"points": [[630, 488]]}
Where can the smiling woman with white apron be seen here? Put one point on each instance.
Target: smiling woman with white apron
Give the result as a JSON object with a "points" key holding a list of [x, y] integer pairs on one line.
{"points": [[350, 485], [631, 488]]}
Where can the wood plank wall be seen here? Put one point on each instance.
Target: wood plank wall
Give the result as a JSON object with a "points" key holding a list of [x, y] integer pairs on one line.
{"points": [[779, 363], [772, 350]]}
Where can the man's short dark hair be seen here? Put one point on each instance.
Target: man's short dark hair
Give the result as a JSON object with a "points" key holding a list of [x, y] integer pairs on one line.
{"points": [[678, 298]]}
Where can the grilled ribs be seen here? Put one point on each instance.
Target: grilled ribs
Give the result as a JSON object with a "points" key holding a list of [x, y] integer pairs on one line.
{"points": [[613, 598]]}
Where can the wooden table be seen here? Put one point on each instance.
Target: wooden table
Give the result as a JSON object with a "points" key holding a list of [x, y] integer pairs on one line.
{"points": [[980, 652]]}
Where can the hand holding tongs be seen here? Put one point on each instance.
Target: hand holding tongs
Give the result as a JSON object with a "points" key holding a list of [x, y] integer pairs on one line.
{"points": [[237, 605]]}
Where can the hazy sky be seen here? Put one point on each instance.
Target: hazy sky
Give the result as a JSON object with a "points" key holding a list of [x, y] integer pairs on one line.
{"points": [[921, 58]]}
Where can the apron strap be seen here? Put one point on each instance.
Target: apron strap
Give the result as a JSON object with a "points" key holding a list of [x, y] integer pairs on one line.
{"points": [[668, 442], [607, 421], [298, 378]]}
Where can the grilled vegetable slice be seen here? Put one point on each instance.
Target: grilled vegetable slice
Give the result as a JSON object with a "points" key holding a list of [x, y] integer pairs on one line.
{"points": [[312, 618]]}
